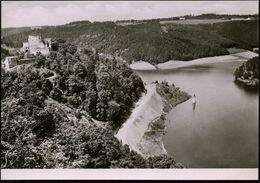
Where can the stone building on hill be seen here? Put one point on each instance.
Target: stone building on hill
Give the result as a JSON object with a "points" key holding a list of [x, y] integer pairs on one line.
{"points": [[34, 45], [37, 44], [13, 61], [10, 62]]}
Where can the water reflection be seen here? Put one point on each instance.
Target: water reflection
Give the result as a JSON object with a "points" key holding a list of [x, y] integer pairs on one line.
{"points": [[190, 69], [193, 106]]}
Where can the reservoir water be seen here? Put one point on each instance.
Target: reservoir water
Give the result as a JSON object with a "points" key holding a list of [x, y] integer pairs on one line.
{"points": [[222, 130]]}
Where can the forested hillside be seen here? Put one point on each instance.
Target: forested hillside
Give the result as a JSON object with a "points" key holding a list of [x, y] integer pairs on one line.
{"points": [[61, 112], [4, 53], [152, 41], [220, 16], [244, 33], [11, 31]]}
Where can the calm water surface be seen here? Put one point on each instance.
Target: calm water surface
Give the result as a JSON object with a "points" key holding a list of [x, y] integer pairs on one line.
{"points": [[222, 130]]}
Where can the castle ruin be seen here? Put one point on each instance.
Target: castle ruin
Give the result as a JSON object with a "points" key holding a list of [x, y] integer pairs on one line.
{"points": [[37, 44]]}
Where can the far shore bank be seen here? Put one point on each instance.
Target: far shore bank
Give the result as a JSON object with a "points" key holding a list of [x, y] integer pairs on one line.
{"points": [[174, 64]]}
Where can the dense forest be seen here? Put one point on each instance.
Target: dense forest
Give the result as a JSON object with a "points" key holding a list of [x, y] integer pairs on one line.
{"points": [[62, 111], [4, 53], [11, 31], [15, 30], [248, 72], [244, 33], [151, 41]]}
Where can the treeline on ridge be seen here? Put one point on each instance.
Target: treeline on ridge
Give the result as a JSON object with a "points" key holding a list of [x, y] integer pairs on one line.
{"points": [[151, 42], [202, 16]]}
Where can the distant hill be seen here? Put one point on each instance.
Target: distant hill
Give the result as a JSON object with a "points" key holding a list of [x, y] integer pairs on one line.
{"points": [[202, 16], [16, 30], [220, 16], [245, 33], [151, 41]]}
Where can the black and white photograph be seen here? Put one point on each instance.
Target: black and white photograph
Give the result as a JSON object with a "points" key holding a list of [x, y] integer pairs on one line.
{"points": [[111, 87]]}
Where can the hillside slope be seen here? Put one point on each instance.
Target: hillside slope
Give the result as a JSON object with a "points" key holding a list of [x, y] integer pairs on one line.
{"points": [[244, 33], [152, 41], [68, 119], [17, 30]]}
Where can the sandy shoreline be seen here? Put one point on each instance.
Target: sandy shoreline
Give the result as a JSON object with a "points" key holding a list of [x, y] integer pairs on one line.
{"points": [[142, 65], [134, 131], [146, 109], [137, 132], [174, 64]]}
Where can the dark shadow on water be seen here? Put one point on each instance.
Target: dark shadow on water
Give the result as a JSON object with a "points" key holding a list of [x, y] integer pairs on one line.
{"points": [[193, 68], [246, 88]]}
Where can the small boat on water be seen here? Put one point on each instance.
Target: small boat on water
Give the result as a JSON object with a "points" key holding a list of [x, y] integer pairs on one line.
{"points": [[194, 99]]}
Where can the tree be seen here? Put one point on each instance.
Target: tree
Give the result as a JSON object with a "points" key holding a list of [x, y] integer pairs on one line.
{"points": [[46, 86], [57, 94], [72, 49], [80, 70], [113, 111], [39, 61]]}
